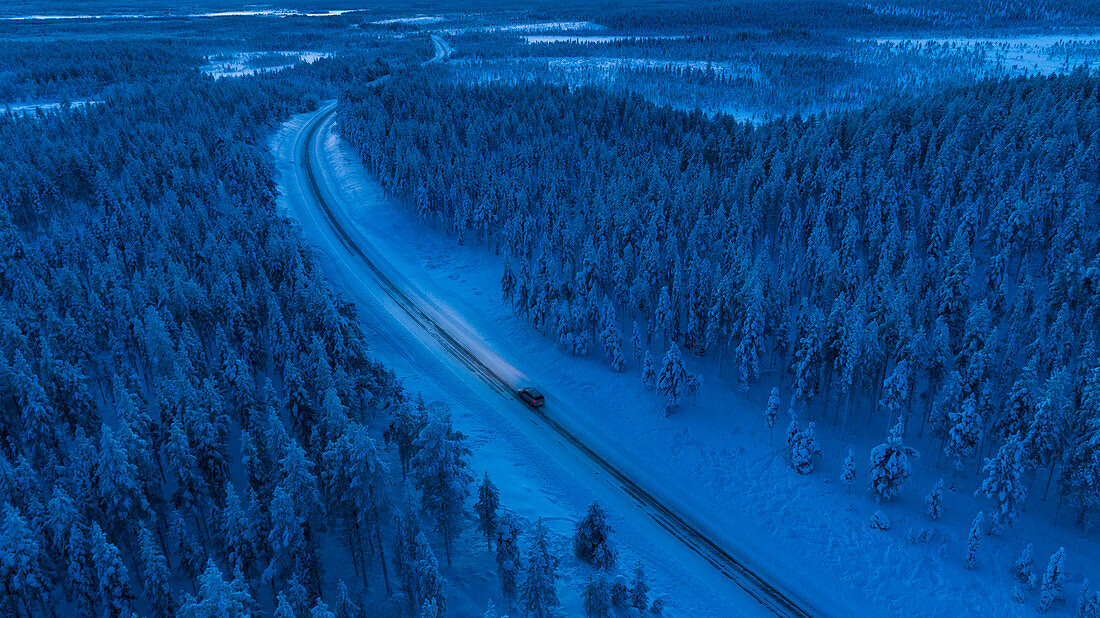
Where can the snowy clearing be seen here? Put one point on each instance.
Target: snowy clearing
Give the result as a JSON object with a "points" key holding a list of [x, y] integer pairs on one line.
{"points": [[241, 64], [612, 64], [422, 19], [593, 39], [1042, 54], [546, 26], [254, 13], [27, 109]]}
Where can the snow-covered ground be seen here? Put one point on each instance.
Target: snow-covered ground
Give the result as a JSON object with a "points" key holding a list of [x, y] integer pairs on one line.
{"points": [[421, 19], [243, 13], [1039, 53], [609, 65], [591, 39], [24, 109], [239, 64], [715, 458], [542, 26]]}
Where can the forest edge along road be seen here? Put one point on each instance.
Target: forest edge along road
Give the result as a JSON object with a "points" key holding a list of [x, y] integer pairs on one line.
{"points": [[679, 525]]}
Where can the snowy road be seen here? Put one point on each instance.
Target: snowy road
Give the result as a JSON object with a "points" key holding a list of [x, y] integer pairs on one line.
{"points": [[322, 215]]}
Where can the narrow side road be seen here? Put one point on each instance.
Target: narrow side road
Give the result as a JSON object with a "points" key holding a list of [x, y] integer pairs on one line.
{"points": [[471, 354]]}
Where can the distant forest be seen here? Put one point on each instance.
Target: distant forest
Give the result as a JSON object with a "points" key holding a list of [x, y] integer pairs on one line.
{"points": [[926, 259]]}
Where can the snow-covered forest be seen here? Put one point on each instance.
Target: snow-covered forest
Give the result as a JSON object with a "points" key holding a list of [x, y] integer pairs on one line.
{"points": [[884, 243], [925, 259]]}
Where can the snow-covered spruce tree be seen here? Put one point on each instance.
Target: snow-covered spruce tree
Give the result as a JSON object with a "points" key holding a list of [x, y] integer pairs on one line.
{"points": [[849, 475], [1053, 580], [614, 348], [804, 449], [441, 471], [1088, 602], [597, 597], [636, 344], [491, 611], [111, 574], [933, 502], [965, 434], [282, 607], [237, 533], [1044, 434], [895, 390], [649, 374], [154, 575], [974, 542], [1003, 482], [611, 338], [486, 507], [408, 419], [771, 413], [592, 539], [794, 428], [405, 534], [662, 316], [747, 354], [21, 574], [1024, 567], [538, 591], [639, 589], [81, 569], [345, 607], [429, 582], [320, 610], [218, 598], [673, 382], [355, 477], [508, 558], [890, 465]]}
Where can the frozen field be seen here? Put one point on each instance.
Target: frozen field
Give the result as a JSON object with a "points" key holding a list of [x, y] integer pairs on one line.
{"points": [[241, 64]]}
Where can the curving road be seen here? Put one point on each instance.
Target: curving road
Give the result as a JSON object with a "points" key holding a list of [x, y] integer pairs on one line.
{"points": [[692, 534]]}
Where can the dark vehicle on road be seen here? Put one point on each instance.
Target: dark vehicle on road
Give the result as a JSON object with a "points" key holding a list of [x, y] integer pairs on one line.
{"points": [[531, 397]]}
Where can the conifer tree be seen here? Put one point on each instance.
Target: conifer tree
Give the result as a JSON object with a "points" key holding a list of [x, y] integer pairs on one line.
{"points": [[345, 607], [974, 541], [508, 558], [486, 507], [934, 502], [441, 471], [154, 575], [218, 598], [111, 574], [320, 610], [538, 591], [1024, 567], [849, 475], [21, 574], [592, 539], [639, 589], [771, 413], [597, 597], [1003, 482], [1053, 580], [890, 466], [966, 432], [649, 374]]}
